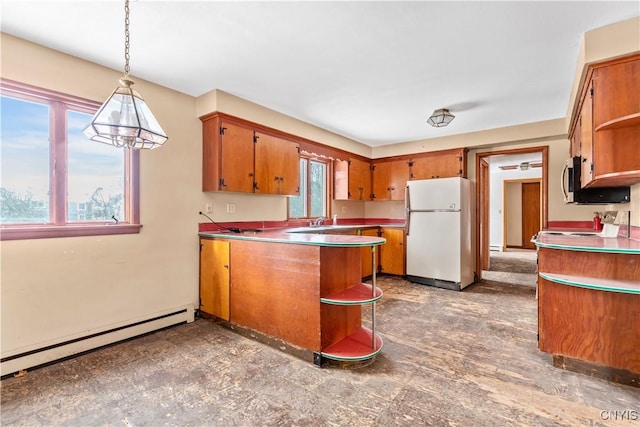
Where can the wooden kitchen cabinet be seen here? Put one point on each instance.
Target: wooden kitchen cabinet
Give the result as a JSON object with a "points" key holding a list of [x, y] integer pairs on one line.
{"points": [[352, 179], [240, 157], [277, 169], [439, 164], [606, 123], [390, 179], [227, 162], [214, 277], [392, 253]]}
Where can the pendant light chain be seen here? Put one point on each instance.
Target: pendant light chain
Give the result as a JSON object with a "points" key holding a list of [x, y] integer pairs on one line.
{"points": [[126, 38]]}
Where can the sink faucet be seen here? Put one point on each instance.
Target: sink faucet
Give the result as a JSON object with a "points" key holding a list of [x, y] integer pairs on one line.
{"points": [[319, 221]]}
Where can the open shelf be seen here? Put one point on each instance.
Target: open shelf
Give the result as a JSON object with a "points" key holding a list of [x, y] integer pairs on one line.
{"points": [[620, 122], [625, 286], [355, 347], [356, 295]]}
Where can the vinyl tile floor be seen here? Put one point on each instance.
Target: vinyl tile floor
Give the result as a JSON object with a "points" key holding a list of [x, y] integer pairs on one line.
{"points": [[449, 359]]}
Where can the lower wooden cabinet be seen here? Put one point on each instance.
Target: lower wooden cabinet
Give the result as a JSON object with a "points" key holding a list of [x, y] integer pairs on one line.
{"points": [[214, 277], [392, 252]]}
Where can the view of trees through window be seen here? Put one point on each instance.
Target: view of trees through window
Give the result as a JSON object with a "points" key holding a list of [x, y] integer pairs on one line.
{"points": [[312, 201], [35, 154]]}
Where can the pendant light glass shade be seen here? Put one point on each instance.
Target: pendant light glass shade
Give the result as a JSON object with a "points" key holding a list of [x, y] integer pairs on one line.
{"points": [[440, 118], [125, 121]]}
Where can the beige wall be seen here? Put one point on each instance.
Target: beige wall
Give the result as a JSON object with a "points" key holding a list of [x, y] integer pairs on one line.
{"points": [[56, 289]]}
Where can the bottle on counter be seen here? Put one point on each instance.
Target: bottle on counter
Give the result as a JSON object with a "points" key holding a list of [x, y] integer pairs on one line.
{"points": [[335, 219], [597, 222]]}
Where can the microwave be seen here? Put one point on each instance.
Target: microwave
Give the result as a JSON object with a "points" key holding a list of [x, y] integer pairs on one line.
{"points": [[573, 192], [570, 178]]}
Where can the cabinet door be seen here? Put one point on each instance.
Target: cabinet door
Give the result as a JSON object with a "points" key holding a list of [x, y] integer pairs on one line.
{"points": [[392, 252], [236, 158], [359, 180], [422, 168], [398, 176], [448, 165], [277, 165], [341, 180], [367, 266], [214, 277], [586, 140], [380, 175], [616, 91]]}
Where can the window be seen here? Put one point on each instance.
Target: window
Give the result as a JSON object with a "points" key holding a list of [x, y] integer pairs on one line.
{"points": [[54, 181], [313, 199]]}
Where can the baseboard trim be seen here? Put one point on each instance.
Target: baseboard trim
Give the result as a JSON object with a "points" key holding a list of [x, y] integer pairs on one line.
{"points": [[22, 360]]}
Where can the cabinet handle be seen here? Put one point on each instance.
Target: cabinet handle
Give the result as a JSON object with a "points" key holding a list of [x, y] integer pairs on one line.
{"points": [[226, 266]]}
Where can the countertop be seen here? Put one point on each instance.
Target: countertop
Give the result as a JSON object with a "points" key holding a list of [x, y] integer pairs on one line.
{"points": [[588, 243], [314, 236]]}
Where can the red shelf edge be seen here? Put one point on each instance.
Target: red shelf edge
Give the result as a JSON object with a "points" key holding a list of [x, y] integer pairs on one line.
{"points": [[354, 295], [354, 347]]}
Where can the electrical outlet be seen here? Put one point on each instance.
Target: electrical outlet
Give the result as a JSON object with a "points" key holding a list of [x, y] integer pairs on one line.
{"points": [[344, 209], [231, 208], [208, 208]]}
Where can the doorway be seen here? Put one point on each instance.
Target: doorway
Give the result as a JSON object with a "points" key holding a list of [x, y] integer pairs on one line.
{"points": [[522, 213], [483, 192]]}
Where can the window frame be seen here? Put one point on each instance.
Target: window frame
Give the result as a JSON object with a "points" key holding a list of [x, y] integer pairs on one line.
{"points": [[328, 163], [59, 226]]}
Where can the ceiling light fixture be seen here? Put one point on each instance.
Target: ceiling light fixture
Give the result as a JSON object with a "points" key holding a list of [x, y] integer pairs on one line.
{"points": [[440, 118], [524, 166], [125, 120]]}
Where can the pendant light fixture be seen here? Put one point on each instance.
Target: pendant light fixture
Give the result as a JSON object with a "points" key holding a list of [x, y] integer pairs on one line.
{"points": [[125, 120], [440, 118]]}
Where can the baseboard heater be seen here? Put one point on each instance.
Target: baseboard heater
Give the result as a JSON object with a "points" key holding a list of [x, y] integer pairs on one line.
{"points": [[23, 360], [495, 248]]}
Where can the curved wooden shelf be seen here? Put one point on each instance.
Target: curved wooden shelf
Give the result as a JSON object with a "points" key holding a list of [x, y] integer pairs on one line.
{"points": [[596, 283], [356, 295], [620, 122], [615, 179], [355, 347]]}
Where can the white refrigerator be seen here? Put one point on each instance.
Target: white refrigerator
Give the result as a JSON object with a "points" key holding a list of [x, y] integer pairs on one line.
{"points": [[438, 225]]}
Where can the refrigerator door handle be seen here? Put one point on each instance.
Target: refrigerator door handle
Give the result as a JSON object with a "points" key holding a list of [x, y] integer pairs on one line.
{"points": [[407, 209]]}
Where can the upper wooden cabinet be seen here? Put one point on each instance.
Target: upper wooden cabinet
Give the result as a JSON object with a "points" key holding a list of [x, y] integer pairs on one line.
{"points": [[240, 158], [439, 164], [390, 176], [277, 169], [390, 179], [351, 179], [605, 126]]}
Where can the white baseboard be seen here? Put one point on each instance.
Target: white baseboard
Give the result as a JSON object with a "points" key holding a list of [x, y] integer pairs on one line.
{"points": [[23, 359]]}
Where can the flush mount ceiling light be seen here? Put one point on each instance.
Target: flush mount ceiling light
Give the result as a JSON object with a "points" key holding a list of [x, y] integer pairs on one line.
{"points": [[440, 118], [125, 120]]}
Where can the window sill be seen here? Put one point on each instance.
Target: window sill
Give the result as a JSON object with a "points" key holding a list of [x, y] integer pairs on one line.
{"points": [[25, 232]]}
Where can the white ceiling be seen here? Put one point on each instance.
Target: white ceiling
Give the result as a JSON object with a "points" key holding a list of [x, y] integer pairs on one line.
{"points": [[370, 71]]}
